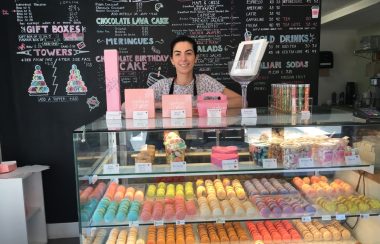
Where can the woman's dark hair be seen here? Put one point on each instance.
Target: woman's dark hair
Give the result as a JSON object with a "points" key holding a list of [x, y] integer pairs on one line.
{"points": [[184, 39]]}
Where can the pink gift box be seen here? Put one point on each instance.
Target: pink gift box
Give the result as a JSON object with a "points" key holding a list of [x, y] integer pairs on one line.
{"points": [[211, 100], [139, 100], [111, 70], [224, 150], [217, 158], [177, 102], [8, 166]]}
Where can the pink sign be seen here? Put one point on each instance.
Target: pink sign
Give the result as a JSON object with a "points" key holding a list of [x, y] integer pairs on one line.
{"points": [[139, 100], [177, 102], [111, 67]]}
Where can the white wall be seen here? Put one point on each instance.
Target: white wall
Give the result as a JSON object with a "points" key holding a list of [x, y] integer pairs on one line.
{"points": [[341, 43], [347, 66]]}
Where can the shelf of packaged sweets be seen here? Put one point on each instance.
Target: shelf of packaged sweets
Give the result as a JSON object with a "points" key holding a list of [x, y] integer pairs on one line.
{"points": [[256, 232], [193, 169]]}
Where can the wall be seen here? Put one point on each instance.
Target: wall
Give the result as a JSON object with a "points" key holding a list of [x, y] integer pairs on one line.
{"points": [[362, 75], [347, 65], [341, 43]]}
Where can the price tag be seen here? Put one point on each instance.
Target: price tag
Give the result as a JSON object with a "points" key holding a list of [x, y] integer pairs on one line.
{"points": [[111, 168], [305, 162], [353, 160], [230, 164], [140, 123], [143, 167], [340, 217], [326, 217], [180, 222], [140, 115], [178, 166], [177, 114], [93, 179], [305, 115], [133, 224], [113, 115], [158, 223], [270, 163], [248, 121], [248, 113], [214, 112], [177, 122], [220, 220], [214, 121], [306, 219], [364, 216]]}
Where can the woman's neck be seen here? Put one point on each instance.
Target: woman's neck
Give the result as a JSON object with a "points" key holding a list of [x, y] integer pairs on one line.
{"points": [[184, 80]]}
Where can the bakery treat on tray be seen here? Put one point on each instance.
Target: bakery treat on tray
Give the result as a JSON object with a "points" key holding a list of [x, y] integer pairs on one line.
{"points": [[75, 85], [38, 85], [175, 147]]}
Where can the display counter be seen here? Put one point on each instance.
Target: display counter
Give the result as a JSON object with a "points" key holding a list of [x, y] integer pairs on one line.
{"points": [[276, 178]]}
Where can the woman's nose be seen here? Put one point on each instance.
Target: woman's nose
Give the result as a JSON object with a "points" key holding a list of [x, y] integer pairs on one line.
{"points": [[183, 57]]}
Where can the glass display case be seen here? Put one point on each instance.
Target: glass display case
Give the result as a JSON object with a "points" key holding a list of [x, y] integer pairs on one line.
{"points": [[268, 179]]}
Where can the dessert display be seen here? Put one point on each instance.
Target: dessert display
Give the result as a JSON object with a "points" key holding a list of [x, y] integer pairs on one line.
{"points": [[75, 85], [119, 203], [147, 154], [316, 186], [257, 232], [221, 233], [281, 206], [317, 231], [220, 153], [273, 231], [222, 198], [89, 198], [38, 85], [353, 204], [322, 149], [272, 186], [168, 202], [175, 147]]}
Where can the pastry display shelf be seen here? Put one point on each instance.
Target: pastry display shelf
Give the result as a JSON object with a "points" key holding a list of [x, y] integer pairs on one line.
{"points": [[233, 120], [198, 219], [199, 169]]}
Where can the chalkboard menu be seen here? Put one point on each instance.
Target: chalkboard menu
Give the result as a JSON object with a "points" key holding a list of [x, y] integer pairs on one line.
{"points": [[61, 43]]}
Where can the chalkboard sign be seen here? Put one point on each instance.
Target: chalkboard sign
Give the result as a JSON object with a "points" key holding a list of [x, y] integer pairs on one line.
{"points": [[55, 36], [57, 56]]}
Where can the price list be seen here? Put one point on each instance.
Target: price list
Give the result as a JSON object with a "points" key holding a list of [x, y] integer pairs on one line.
{"points": [[52, 52], [217, 27], [23, 12]]}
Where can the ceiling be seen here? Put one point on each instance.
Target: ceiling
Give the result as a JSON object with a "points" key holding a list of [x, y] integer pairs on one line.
{"points": [[350, 14]]}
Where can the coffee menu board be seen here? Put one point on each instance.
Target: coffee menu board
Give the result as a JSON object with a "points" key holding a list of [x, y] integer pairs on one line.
{"points": [[60, 43]]}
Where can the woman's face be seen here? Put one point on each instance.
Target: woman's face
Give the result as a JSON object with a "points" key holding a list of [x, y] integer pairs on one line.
{"points": [[183, 57]]}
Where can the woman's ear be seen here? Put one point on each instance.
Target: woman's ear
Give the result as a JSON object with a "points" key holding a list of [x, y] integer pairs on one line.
{"points": [[196, 59], [171, 60]]}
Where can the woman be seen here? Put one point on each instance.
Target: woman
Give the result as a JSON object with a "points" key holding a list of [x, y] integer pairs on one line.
{"points": [[183, 56]]}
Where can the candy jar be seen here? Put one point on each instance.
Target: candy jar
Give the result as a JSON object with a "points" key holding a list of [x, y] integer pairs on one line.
{"points": [[339, 150], [259, 151], [290, 154], [325, 152], [275, 150]]}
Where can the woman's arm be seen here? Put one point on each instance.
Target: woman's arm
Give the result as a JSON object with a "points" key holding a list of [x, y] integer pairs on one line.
{"points": [[234, 99]]}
